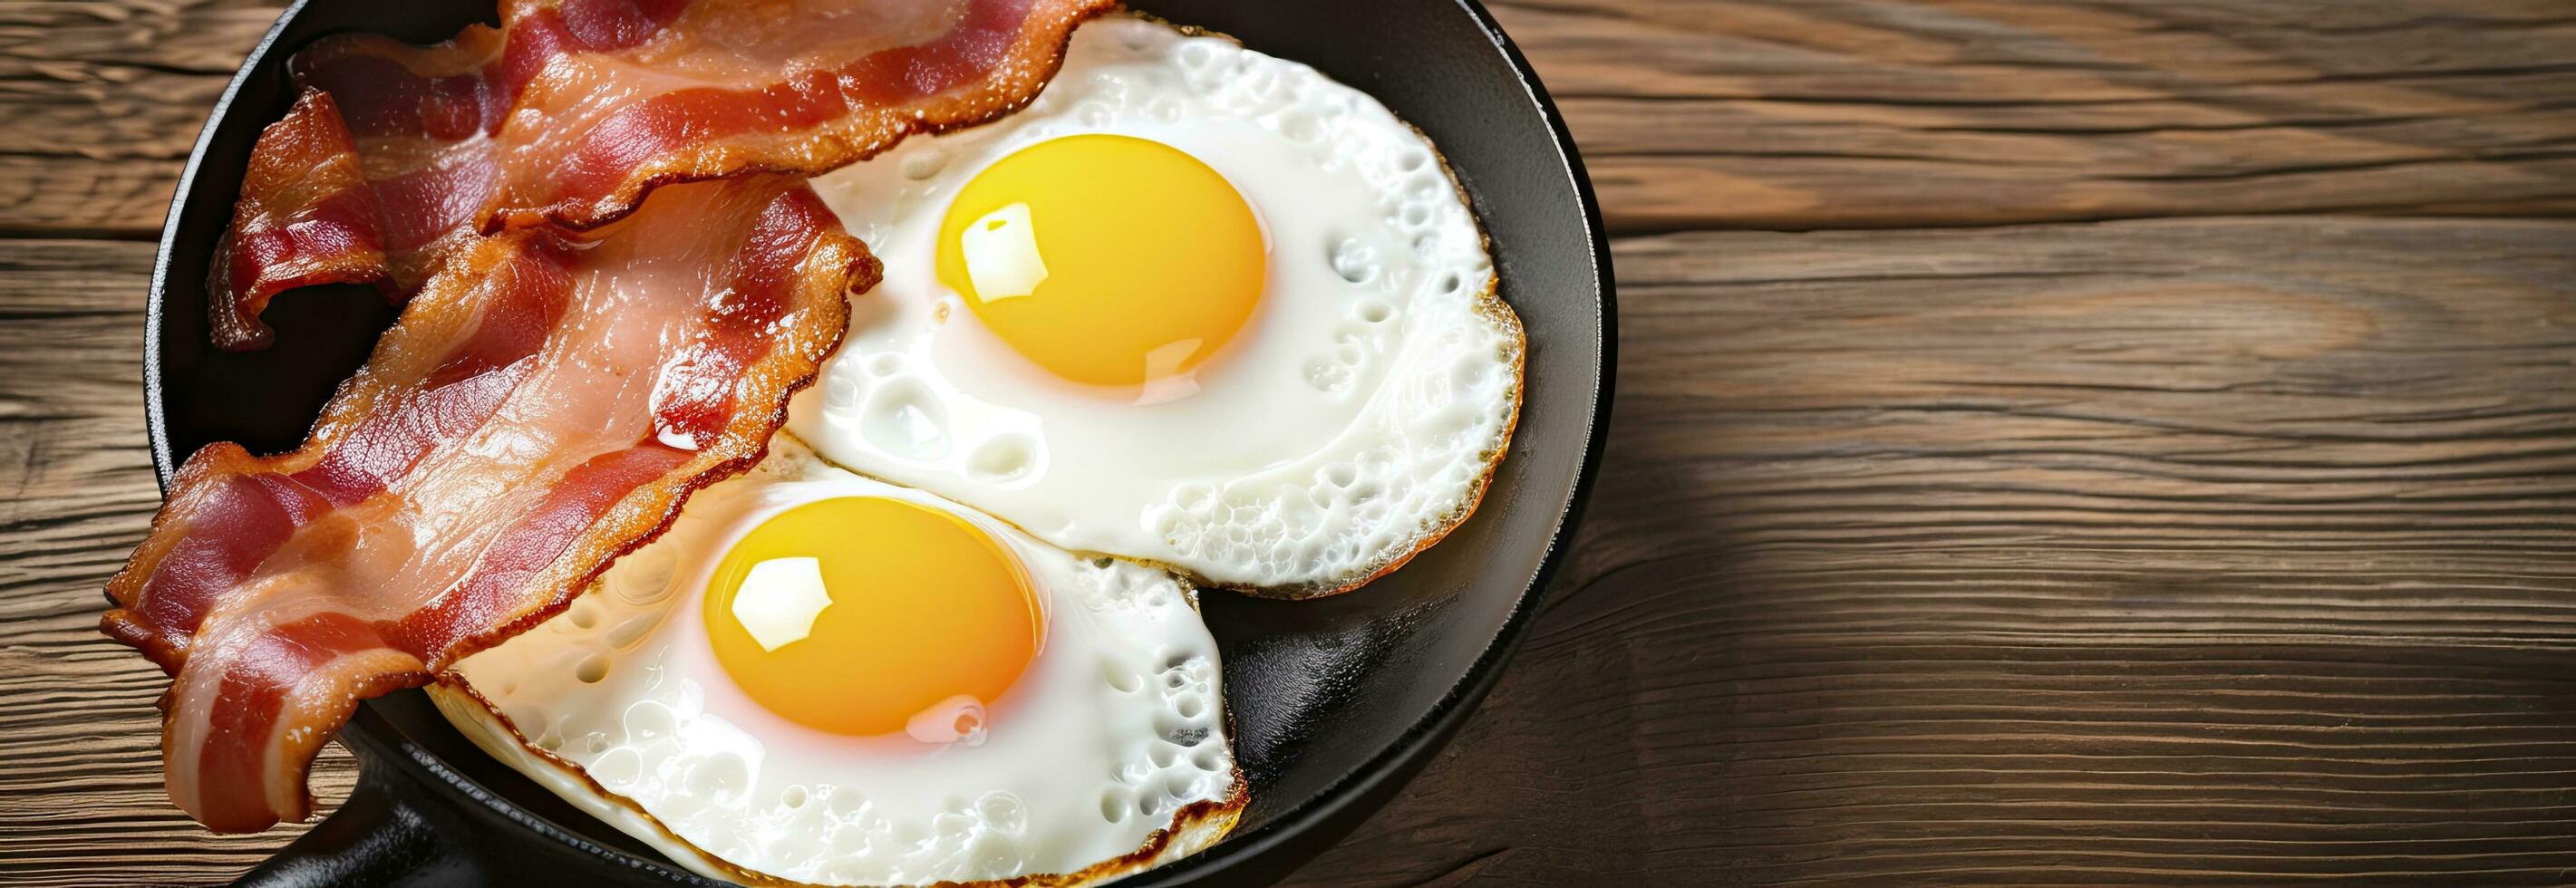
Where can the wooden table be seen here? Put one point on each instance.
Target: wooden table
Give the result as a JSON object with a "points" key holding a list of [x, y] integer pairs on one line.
{"points": [[2120, 440]]}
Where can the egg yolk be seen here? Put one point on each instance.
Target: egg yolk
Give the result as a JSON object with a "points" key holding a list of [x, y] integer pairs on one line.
{"points": [[854, 615], [1108, 260]]}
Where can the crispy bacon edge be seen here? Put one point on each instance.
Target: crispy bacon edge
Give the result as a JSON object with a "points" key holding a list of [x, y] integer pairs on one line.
{"points": [[337, 226], [680, 136], [307, 216]]}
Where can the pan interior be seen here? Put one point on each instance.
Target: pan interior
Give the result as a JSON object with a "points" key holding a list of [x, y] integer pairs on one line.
{"points": [[1320, 692]]}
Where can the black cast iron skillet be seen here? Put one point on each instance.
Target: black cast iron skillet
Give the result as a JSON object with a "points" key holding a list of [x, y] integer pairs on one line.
{"points": [[1335, 702]]}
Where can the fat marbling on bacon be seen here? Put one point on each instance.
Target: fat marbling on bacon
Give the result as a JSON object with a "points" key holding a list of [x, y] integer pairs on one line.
{"points": [[306, 217], [588, 337]]}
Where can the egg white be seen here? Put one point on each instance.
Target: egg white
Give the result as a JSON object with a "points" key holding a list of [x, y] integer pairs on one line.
{"points": [[1114, 732], [1354, 420]]}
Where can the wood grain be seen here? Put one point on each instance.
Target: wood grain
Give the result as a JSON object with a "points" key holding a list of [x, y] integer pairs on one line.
{"points": [[1800, 114], [80, 787], [2177, 484], [2146, 551], [100, 102]]}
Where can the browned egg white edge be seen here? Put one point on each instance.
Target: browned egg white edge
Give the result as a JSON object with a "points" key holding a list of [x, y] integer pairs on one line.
{"points": [[1194, 827], [1489, 305]]}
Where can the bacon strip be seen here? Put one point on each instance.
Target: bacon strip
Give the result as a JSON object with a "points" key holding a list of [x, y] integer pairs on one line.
{"points": [[573, 110], [547, 400], [541, 407]]}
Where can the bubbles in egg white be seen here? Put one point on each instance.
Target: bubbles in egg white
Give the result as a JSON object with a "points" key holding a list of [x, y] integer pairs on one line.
{"points": [[1357, 415], [1114, 729]]}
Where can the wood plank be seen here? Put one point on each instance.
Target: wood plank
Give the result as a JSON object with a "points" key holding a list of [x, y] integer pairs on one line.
{"points": [[2139, 552], [1780, 114], [1795, 114], [103, 99]]}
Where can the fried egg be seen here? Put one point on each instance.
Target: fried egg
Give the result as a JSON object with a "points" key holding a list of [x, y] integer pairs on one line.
{"points": [[816, 677], [1195, 306]]}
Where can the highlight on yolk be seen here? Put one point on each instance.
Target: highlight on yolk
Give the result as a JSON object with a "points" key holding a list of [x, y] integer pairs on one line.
{"points": [[1108, 260], [855, 614]]}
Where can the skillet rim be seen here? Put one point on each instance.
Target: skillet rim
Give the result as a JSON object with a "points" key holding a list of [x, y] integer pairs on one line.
{"points": [[1398, 761]]}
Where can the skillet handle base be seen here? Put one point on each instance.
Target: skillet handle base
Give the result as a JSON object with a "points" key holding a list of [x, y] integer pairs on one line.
{"points": [[392, 832], [415, 821]]}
